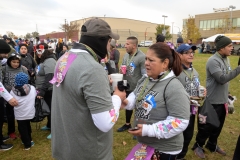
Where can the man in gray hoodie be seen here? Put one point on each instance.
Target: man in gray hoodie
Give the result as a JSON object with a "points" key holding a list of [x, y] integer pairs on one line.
{"points": [[219, 74]]}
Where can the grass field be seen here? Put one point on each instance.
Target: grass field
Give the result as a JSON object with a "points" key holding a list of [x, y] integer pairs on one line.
{"points": [[227, 139]]}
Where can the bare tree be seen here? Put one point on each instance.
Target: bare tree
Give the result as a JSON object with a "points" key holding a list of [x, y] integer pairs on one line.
{"points": [[35, 34], [70, 29], [10, 34], [28, 35]]}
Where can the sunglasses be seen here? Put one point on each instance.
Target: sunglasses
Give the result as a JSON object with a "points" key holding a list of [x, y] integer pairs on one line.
{"points": [[16, 55]]}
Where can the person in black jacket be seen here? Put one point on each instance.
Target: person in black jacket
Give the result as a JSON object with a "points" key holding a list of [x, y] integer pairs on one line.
{"points": [[59, 47], [28, 62], [65, 49]]}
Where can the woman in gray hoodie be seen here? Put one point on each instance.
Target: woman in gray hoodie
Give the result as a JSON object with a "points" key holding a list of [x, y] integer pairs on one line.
{"points": [[44, 73]]}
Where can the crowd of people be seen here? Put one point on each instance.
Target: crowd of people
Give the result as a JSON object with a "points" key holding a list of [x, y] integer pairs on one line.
{"points": [[164, 94]]}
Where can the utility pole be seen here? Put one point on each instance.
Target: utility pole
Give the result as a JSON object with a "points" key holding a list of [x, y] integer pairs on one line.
{"points": [[145, 36], [164, 31], [36, 28], [65, 31], [231, 22]]}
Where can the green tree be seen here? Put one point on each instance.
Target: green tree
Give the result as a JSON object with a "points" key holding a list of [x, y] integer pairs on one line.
{"points": [[35, 34], [160, 28], [10, 34], [190, 30], [70, 29]]}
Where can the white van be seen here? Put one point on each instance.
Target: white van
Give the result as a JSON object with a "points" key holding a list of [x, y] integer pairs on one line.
{"points": [[145, 43]]}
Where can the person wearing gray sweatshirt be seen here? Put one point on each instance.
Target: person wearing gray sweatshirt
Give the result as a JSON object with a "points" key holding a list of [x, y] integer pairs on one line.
{"points": [[219, 74], [161, 103], [189, 78]]}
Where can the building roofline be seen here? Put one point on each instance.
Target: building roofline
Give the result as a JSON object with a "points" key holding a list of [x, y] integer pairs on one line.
{"points": [[218, 12], [116, 18]]}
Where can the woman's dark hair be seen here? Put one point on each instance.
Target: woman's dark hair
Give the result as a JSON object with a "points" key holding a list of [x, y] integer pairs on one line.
{"points": [[66, 46], [163, 51], [44, 56]]}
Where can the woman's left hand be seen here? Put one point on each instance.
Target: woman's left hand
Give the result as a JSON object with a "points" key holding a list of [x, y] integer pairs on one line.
{"points": [[39, 97], [137, 132]]}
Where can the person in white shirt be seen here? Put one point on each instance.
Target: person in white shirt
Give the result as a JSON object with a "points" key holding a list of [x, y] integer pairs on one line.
{"points": [[25, 110], [52, 45]]}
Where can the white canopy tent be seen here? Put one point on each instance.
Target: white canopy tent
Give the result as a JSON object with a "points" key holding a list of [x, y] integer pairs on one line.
{"points": [[211, 39], [233, 37]]}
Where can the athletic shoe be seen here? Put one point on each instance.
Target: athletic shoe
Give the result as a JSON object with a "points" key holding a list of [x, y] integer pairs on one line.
{"points": [[199, 152], [32, 144], [124, 128], [12, 136], [49, 136], [45, 128], [218, 150], [5, 138], [5, 147]]}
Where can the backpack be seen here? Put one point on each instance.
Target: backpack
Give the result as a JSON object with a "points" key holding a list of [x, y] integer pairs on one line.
{"points": [[41, 110]]}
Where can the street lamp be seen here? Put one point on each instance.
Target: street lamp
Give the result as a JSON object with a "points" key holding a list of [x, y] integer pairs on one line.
{"points": [[145, 35], [164, 31], [179, 33], [231, 7]]}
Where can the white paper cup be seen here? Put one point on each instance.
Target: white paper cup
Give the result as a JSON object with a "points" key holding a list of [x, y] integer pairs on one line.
{"points": [[115, 78]]}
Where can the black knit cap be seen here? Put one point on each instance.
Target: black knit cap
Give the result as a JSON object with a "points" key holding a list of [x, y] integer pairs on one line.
{"points": [[180, 40], [160, 38], [221, 42], [4, 47]]}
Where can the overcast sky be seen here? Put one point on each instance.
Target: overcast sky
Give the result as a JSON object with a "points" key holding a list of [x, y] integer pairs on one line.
{"points": [[22, 16]]}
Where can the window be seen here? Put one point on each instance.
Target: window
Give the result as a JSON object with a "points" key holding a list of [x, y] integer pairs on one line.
{"points": [[184, 22], [204, 25], [238, 22], [234, 22], [220, 23], [201, 25], [208, 24], [212, 24], [216, 23]]}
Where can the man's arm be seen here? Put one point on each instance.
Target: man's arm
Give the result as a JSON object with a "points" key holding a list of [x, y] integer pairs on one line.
{"points": [[7, 96], [214, 67], [224, 78], [104, 109]]}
